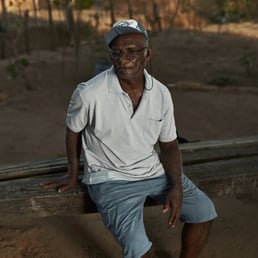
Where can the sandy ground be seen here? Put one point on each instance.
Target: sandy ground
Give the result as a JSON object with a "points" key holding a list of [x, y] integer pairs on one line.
{"points": [[234, 234], [32, 128]]}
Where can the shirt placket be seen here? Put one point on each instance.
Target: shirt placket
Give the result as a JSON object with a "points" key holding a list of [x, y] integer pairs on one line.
{"points": [[128, 104]]}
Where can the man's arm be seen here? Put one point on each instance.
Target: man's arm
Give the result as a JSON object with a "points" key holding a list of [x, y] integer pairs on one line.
{"points": [[73, 151], [171, 160]]}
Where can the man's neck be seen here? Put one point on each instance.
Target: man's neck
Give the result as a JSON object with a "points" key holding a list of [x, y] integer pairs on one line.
{"points": [[134, 91], [132, 86]]}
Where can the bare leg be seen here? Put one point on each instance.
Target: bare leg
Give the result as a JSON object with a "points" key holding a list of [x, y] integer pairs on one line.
{"points": [[150, 254], [147, 255], [154, 253], [194, 238]]}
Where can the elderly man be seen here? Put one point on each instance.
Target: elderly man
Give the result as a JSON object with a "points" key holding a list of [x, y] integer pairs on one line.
{"points": [[118, 116]]}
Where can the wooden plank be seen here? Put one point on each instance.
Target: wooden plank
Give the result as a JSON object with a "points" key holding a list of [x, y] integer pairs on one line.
{"points": [[32, 169], [32, 164], [223, 153], [218, 167], [44, 205], [25, 187], [193, 153], [213, 144], [25, 196], [198, 172]]}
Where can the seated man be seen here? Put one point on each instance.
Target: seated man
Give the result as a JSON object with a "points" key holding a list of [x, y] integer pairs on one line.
{"points": [[119, 115]]}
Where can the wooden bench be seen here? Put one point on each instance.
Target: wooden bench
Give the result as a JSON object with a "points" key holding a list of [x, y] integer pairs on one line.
{"points": [[218, 167]]}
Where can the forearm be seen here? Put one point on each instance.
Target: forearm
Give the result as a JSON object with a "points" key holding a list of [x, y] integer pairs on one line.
{"points": [[172, 161], [73, 151]]}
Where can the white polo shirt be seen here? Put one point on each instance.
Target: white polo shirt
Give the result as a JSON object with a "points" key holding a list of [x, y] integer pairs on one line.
{"points": [[119, 144]]}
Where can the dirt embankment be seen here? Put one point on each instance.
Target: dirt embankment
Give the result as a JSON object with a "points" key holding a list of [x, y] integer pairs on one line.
{"points": [[32, 124]]}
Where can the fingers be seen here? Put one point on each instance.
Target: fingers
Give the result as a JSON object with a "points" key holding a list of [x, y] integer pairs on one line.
{"points": [[172, 218], [50, 185], [165, 208], [64, 188], [174, 214], [53, 185], [59, 186]]}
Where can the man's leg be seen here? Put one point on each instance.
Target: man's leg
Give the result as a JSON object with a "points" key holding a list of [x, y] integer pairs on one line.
{"points": [[194, 238], [120, 204], [148, 255], [153, 253], [198, 212]]}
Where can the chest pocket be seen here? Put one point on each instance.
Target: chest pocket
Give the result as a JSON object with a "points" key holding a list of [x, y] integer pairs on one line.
{"points": [[152, 130]]}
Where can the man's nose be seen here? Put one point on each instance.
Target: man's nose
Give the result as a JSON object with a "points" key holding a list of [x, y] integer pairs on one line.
{"points": [[124, 55]]}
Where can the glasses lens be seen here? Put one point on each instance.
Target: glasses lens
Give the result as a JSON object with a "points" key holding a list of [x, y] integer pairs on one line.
{"points": [[130, 53], [114, 55]]}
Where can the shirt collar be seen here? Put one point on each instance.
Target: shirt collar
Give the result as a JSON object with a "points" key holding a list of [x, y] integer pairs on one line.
{"points": [[114, 85]]}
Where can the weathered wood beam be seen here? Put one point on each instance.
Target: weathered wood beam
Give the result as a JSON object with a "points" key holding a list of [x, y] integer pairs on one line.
{"points": [[195, 152], [228, 168], [26, 196]]}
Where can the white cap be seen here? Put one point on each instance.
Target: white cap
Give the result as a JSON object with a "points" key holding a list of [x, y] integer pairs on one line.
{"points": [[125, 27]]}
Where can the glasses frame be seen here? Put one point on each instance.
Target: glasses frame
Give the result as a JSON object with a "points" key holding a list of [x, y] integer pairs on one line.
{"points": [[131, 53]]}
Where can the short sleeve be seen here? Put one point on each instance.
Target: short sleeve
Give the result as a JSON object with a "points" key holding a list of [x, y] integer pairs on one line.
{"points": [[168, 130], [76, 118]]}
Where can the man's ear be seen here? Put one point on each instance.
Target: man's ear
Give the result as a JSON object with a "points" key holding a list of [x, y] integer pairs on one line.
{"points": [[148, 54]]}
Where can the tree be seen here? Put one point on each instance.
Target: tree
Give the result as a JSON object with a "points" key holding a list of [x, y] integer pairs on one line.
{"points": [[4, 11], [130, 9], [112, 11], [173, 17], [51, 26], [3, 29]]}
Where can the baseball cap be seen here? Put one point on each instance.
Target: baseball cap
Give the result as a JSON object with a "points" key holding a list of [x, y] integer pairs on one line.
{"points": [[125, 27]]}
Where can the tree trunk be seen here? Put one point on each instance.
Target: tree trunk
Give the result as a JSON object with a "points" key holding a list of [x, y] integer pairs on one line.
{"points": [[2, 42], [130, 10], [156, 17], [3, 29], [26, 32], [51, 25], [112, 12], [69, 19], [77, 41], [35, 11], [4, 12], [172, 20], [96, 16]]}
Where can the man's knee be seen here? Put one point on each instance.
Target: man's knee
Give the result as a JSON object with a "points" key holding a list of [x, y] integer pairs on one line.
{"points": [[134, 247]]}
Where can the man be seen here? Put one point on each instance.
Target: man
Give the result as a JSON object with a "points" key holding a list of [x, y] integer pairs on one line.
{"points": [[119, 115]]}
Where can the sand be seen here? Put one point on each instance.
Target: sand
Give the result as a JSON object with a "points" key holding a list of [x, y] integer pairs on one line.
{"points": [[32, 128]]}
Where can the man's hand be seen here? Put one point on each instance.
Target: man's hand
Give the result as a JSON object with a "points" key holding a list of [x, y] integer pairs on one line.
{"points": [[62, 185], [73, 149], [170, 157], [174, 204]]}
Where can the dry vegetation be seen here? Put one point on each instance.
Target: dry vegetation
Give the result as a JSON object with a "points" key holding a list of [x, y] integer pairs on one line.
{"points": [[196, 58], [33, 104], [45, 61]]}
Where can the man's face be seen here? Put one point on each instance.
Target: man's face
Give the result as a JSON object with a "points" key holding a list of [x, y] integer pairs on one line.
{"points": [[128, 54]]}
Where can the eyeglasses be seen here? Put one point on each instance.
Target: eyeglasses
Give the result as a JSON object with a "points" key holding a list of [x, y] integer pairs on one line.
{"points": [[131, 53]]}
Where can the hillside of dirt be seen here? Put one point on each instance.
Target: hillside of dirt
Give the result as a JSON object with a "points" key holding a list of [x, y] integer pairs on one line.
{"points": [[215, 97], [33, 120]]}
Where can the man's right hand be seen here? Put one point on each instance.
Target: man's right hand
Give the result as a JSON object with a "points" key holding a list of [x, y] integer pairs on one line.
{"points": [[61, 186]]}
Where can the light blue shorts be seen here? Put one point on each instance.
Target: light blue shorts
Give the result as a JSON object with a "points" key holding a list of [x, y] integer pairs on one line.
{"points": [[121, 205]]}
